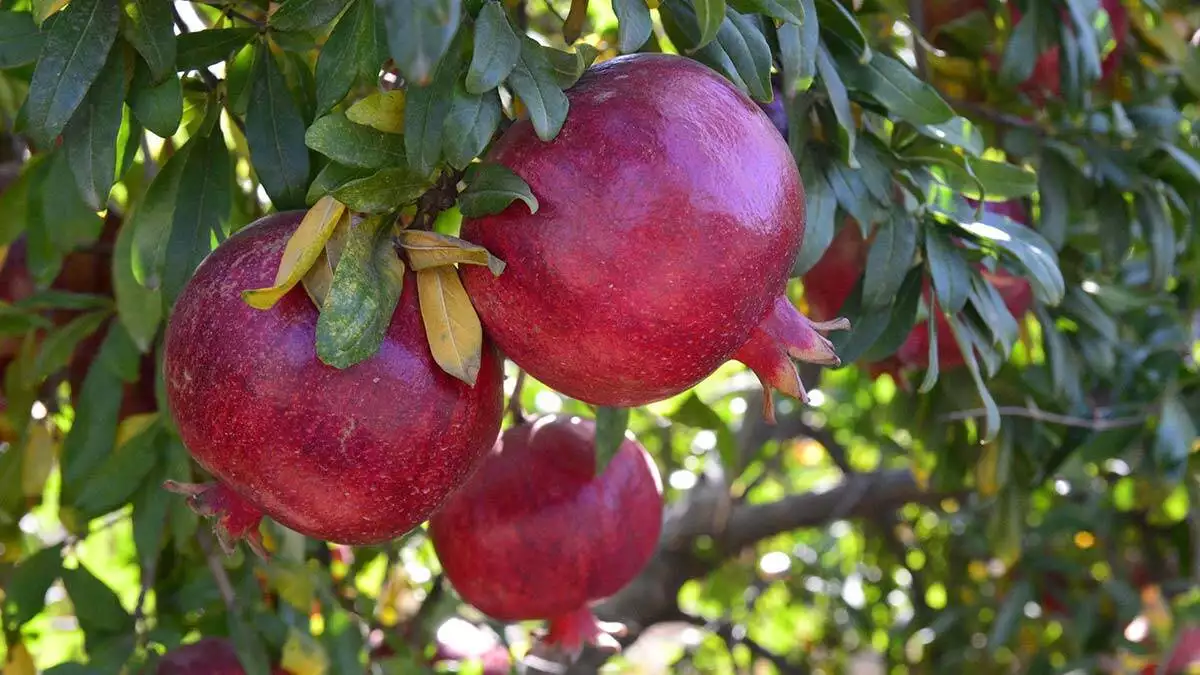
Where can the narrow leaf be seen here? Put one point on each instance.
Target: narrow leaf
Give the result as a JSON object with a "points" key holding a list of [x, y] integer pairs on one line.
{"points": [[91, 136], [496, 49], [533, 81], [151, 220], [472, 122], [20, 39], [710, 14], [888, 261], [419, 33], [203, 48], [451, 324], [343, 141], [382, 110], [491, 188], [298, 15], [159, 107], [634, 24], [427, 250], [275, 134], [951, 276], [302, 250], [891, 83], [383, 191], [200, 212], [148, 27], [139, 308], [611, 424]]}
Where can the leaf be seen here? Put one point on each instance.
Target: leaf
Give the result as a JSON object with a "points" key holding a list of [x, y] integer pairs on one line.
{"points": [[902, 317], [950, 273], [611, 424], [419, 33], [71, 222], [298, 15], [839, 23], [1089, 49], [382, 110], [151, 505], [839, 100], [203, 48], [957, 131], [798, 46], [742, 41], [302, 250], [90, 138], [931, 372], [1174, 436], [148, 27], [897, 88], [20, 39], [382, 191], [634, 24], [710, 14], [532, 79], [343, 141], [25, 593], [996, 316], [151, 220], [1154, 216], [1021, 52], [74, 53], [38, 459], [888, 261], [1002, 179], [158, 107], [867, 327], [491, 188], [820, 208], [97, 607], [427, 250], [1010, 614], [200, 211], [496, 49], [472, 122], [56, 349], [967, 347], [451, 324], [116, 480], [570, 66], [275, 133], [362, 298], [138, 308], [92, 434], [350, 53], [426, 111], [44, 9], [332, 177]]}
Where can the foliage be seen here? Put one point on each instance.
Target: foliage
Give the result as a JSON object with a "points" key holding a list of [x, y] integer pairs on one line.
{"points": [[1031, 512]]}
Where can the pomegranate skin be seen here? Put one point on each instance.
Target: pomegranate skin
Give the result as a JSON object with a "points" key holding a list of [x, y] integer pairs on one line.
{"points": [[669, 217], [209, 656], [352, 456], [536, 534]]}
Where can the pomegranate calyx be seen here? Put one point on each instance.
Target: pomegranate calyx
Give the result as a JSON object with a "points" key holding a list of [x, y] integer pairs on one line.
{"points": [[235, 518], [568, 633]]}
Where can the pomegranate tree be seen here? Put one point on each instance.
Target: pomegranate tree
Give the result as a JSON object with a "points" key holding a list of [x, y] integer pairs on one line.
{"points": [[354, 456], [210, 656], [536, 534], [669, 218]]}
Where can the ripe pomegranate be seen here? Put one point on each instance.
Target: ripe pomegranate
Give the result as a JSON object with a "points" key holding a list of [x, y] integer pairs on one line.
{"points": [[354, 456], [669, 219], [536, 534], [830, 281], [209, 656]]}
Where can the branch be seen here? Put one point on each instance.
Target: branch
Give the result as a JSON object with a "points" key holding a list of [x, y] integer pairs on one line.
{"points": [[217, 569], [1095, 424]]}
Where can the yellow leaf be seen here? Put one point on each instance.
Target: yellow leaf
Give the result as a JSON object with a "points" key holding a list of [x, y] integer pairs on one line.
{"points": [[44, 9], [430, 249], [319, 278], [451, 324], [41, 451], [302, 251], [133, 425], [382, 110], [3, 255], [19, 661], [302, 655]]}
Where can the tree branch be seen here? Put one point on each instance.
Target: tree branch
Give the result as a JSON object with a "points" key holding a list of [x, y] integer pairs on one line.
{"points": [[1095, 424]]}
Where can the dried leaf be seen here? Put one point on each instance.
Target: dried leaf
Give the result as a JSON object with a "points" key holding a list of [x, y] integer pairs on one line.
{"points": [[381, 110], [302, 251], [319, 278], [430, 249], [41, 452], [451, 324]]}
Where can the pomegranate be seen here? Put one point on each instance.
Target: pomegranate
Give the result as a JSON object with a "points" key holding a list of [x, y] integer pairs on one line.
{"points": [[353, 456], [209, 656], [536, 534], [830, 281], [668, 220]]}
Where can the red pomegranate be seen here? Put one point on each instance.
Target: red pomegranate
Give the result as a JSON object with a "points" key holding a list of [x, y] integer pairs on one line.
{"points": [[669, 217], [353, 456], [830, 281], [209, 656], [536, 534]]}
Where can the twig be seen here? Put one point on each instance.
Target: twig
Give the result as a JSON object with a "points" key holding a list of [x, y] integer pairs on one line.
{"points": [[514, 401], [1096, 424], [436, 199], [916, 11], [217, 569], [232, 13]]}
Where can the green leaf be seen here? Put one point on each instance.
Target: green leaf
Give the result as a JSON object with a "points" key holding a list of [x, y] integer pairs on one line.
{"points": [[888, 261], [332, 177], [1021, 52], [20, 39], [355, 49], [90, 138], [297, 15], [798, 51], [97, 607], [1053, 183], [496, 49], [1174, 436], [839, 23], [59, 345], [1003, 180], [204, 48], [931, 373], [72, 57], [967, 346], [950, 273], [159, 107], [151, 505], [634, 24], [1028, 247], [151, 220], [382, 191], [71, 222], [867, 327], [426, 109], [902, 316], [341, 140], [611, 424], [569, 66], [362, 297], [472, 121], [419, 33], [787, 11], [1089, 47], [275, 134], [251, 651], [999, 320], [1011, 613], [897, 88], [148, 27], [850, 188], [820, 208], [533, 81], [1154, 216], [138, 308], [491, 188], [957, 131], [695, 413], [839, 100], [120, 475], [129, 141], [25, 593], [745, 47], [710, 14], [1113, 214], [200, 210]]}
